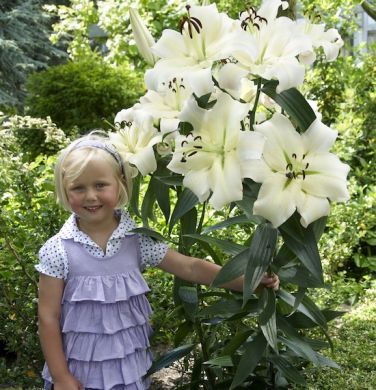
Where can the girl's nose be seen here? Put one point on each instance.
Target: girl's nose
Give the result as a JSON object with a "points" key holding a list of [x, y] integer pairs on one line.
{"points": [[91, 193]]}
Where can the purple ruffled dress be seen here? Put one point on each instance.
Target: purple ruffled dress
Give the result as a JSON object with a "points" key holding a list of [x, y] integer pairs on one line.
{"points": [[104, 319]]}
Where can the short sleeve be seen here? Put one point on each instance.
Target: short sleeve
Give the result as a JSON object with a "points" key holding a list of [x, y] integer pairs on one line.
{"points": [[53, 259], [152, 252]]}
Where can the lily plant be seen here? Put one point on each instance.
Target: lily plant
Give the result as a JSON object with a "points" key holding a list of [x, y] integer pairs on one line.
{"points": [[224, 128]]}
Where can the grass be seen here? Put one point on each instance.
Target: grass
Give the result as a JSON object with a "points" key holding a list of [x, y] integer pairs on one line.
{"points": [[354, 339]]}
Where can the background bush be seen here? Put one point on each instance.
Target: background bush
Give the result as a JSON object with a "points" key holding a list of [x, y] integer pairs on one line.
{"points": [[28, 214], [84, 94]]}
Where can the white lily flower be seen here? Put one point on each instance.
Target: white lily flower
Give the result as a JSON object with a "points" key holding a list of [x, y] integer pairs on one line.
{"points": [[269, 47], [135, 140], [168, 100], [297, 172], [216, 155], [205, 37], [329, 40], [142, 36]]}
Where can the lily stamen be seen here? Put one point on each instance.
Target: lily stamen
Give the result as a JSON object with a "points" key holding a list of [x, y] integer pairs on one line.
{"points": [[190, 21]]}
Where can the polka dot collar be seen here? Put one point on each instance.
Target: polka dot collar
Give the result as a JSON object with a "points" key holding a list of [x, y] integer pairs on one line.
{"points": [[70, 229]]}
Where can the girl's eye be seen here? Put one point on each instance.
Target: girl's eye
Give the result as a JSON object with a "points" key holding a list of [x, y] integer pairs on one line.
{"points": [[100, 185], [77, 188]]}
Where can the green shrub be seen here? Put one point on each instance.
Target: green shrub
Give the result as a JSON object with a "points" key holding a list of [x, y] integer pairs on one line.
{"points": [[28, 216], [85, 94], [35, 136], [345, 91]]}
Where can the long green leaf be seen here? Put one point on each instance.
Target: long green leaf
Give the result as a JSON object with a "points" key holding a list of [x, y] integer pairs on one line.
{"points": [[318, 227], [188, 225], [223, 307], [253, 352], [287, 369], [302, 242], [294, 103], [296, 342], [238, 220], [232, 269], [307, 307], [184, 329], [260, 256], [170, 357], [302, 349], [230, 248], [299, 275], [163, 197], [150, 232], [171, 180], [220, 361], [267, 317], [189, 297], [186, 201], [148, 204], [133, 203], [236, 341]]}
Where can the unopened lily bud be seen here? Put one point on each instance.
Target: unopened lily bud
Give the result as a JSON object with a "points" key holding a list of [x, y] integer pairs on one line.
{"points": [[144, 39]]}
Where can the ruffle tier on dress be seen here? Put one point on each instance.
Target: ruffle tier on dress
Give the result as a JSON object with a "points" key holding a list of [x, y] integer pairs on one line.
{"points": [[106, 331]]}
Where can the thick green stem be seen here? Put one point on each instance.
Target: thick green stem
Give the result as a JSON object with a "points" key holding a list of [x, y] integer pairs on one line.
{"points": [[257, 98], [202, 217], [205, 355]]}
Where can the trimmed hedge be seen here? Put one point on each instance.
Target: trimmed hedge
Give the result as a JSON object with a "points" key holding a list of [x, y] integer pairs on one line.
{"points": [[85, 94]]}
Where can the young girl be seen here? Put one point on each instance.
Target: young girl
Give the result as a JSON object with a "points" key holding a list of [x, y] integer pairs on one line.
{"points": [[93, 313]]}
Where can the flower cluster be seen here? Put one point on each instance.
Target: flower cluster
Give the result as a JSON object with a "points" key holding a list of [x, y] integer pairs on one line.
{"points": [[210, 74]]}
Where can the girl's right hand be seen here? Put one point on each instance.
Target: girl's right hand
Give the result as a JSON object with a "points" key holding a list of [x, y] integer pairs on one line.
{"points": [[68, 382]]}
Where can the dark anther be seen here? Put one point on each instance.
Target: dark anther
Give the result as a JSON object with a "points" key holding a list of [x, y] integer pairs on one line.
{"points": [[307, 165], [289, 175], [183, 142], [191, 153], [294, 155], [304, 156], [289, 167], [197, 137], [174, 90], [128, 123], [261, 19], [190, 21], [303, 174], [294, 174], [197, 147], [183, 159]]}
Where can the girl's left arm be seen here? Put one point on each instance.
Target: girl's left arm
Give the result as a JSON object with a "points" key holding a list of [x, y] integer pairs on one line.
{"points": [[200, 271]]}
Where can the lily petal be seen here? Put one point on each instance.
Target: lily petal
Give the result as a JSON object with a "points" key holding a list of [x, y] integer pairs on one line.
{"points": [[282, 141], [225, 181], [275, 201], [198, 183], [330, 179], [312, 208], [144, 160], [319, 137]]}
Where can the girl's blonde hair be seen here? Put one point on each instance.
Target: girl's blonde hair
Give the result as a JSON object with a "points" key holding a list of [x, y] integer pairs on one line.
{"points": [[74, 158]]}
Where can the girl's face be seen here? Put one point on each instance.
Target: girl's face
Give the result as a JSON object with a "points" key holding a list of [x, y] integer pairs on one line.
{"points": [[94, 194]]}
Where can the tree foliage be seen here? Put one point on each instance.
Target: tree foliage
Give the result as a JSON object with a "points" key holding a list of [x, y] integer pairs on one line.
{"points": [[24, 48]]}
